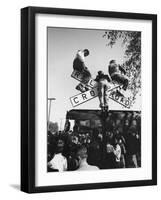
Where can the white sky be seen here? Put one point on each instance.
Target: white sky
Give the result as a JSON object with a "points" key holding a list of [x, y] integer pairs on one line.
{"points": [[63, 44]]}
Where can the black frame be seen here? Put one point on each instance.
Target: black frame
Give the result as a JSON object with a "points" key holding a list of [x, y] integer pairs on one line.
{"points": [[28, 98]]}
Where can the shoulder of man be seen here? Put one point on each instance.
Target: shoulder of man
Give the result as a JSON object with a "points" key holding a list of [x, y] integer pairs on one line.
{"points": [[80, 55], [80, 52], [94, 167]]}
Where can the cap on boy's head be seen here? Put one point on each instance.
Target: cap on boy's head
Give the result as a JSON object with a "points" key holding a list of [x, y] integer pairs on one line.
{"points": [[86, 52]]}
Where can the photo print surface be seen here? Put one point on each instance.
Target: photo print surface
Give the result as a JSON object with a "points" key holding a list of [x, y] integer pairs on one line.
{"points": [[94, 99]]}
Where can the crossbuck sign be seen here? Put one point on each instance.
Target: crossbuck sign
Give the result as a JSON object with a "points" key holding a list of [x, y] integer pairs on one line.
{"points": [[93, 92]]}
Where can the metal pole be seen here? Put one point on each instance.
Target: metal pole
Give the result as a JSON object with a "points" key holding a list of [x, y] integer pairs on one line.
{"points": [[50, 100], [61, 124], [49, 110], [104, 115]]}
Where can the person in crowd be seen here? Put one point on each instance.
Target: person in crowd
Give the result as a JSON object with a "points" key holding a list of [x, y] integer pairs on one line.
{"points": [[76, 127], [126, 126], [110, 137], [109, 160], [90, 149], [58, 162], [94, 150], [117, 152], [103, 85], [117, 74], [51, 145], [80, 66], [73, 161], [67, 125], [82, 156], [120, 140], [112, 158], [132, 148]]}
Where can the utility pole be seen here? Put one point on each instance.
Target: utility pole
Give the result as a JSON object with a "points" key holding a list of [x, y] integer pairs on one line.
{"points": [[50, 101], [104, 115]]}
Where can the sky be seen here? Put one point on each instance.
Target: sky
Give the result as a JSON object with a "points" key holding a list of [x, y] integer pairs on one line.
{"points": [[63, 44]]}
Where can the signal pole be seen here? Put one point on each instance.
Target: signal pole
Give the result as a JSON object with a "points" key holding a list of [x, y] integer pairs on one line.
{"points": [[104, 115], [50, 101]]}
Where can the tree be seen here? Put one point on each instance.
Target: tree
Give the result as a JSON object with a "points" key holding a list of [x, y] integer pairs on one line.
{"points": [[132, 43]]}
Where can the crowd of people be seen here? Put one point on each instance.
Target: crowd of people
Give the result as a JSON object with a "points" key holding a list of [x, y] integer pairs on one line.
{"points": [[118, 146]]}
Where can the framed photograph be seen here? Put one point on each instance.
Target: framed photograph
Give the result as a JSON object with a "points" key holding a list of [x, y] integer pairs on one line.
{"points": [[88, 99]]}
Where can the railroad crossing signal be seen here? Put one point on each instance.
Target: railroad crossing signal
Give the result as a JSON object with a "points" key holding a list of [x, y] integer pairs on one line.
{"points": [[93, 92]]}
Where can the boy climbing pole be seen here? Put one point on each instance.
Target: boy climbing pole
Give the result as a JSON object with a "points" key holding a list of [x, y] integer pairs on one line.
{"points": [[79, 65], [103, 81]]}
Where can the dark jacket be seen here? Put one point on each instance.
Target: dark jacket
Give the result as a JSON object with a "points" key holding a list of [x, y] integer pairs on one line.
{"points": [[116, 69]]}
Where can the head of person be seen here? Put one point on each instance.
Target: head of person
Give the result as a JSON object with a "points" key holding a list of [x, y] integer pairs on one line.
{"points": [[118, 122], [134, 123], [82, 152], [100, 136], [110, 134], [132, 131], [100, 73], [117, 132], [112, 62], [127, 122], [109, 148], [86, 52], [88, 140], [60, 146], [75, 140]]}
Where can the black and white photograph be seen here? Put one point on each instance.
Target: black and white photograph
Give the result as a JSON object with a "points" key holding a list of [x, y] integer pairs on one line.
{"points": [[89, 90], [94, 99]]}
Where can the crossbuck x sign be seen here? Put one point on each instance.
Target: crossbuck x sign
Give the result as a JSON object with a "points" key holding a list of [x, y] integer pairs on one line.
{"points": [[93, 92]]}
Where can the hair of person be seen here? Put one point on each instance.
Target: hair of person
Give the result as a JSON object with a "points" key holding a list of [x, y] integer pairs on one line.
{"points": [[82, 151], [100, 72], [112, 61]]}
